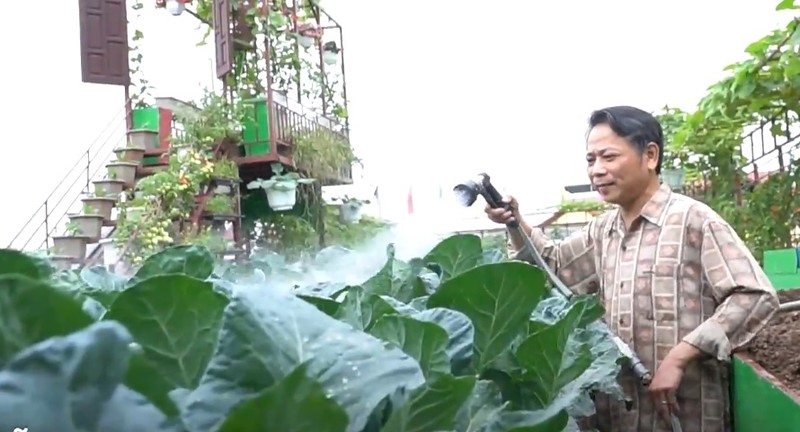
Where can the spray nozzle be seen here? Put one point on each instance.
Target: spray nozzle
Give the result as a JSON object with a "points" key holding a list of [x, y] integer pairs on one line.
{"points": [[481, 184]]}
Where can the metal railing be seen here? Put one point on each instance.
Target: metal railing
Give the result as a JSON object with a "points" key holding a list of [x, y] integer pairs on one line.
{"points": [[46, 220], [289, 122]]}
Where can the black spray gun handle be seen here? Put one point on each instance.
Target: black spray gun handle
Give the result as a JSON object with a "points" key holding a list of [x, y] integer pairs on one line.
{"points": [[495, 200]]}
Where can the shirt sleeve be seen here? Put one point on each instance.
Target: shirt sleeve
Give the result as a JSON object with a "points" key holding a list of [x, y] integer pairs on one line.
{"points": [[572, 258], [745, 297]]}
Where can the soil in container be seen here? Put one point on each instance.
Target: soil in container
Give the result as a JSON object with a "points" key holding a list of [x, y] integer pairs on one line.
{"points": [[777, 347]]}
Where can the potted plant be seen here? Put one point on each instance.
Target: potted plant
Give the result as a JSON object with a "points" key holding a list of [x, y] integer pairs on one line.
{"points": [[330, 53], [225, 173], [306, 34], [99, 205], [281, 189], [350, 211], [72, 245], [124, 171], [129, 154], [219, 205], [87, 224], [108, 188]]}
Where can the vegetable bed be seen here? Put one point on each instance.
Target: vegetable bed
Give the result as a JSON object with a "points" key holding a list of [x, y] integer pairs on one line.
{"points": [[457, 340], [777, 347], [766, 379]]}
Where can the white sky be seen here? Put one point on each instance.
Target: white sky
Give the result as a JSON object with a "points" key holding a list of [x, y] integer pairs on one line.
{"points": [[439, 90]]}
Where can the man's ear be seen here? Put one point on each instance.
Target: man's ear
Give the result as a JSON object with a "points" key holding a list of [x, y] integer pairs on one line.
{"points": [[651, 156]]}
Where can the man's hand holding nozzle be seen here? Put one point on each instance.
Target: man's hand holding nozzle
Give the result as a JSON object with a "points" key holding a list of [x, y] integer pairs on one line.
{"points": [[506, 214]]}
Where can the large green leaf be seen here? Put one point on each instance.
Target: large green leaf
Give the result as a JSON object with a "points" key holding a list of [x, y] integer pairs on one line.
{"points": [[297, 403], [176, 319], [361, 310], [460, 332], [432, 407], [398, 279], [456, 254], [32, 311], [103, 285], [192, 261], [424, 341], [72, 384], [498, 299], [549, 362], [19, 263], [267, 334]]}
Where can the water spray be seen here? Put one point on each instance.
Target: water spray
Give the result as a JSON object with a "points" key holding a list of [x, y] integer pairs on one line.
{"points": [[467, 193]]}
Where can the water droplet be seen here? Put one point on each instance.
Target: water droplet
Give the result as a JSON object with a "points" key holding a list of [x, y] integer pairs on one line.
{"points": [[354, 368], [306, 340], [344, 380]]}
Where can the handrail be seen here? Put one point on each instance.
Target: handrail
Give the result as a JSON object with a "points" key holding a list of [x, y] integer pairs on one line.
{"points": [[87, 161]]}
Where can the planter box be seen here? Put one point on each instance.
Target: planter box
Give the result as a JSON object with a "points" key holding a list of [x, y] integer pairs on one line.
{"points": [[108, 188], [61, 262], [124, 171], [128, 154], [143, 139], [70, 246], [101, 206], [758, 399], [89, 225]]}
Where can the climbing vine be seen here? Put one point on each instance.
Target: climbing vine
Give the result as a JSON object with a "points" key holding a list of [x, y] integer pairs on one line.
{"points": [[140, 89], [762, 91]]}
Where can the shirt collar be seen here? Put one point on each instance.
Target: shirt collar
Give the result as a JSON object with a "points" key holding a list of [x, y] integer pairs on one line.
{"points": [[654, 211]]}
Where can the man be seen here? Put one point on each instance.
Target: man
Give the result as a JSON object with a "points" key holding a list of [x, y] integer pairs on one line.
{"points": [[678, 284]]}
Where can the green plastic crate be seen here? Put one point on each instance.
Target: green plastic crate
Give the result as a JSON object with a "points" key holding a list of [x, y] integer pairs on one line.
{"points": [[781, 261]]}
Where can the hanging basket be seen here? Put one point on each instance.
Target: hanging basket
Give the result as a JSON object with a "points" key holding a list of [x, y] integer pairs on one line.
{"points": [[350, 213], [305, 41], [330, 57], [281, 199]]}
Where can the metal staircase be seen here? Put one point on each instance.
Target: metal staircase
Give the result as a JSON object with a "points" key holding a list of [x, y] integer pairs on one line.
{"points": [[78, 215]]}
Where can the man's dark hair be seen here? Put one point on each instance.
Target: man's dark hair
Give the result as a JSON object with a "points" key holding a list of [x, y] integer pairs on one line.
{"points": [[636, 126]]}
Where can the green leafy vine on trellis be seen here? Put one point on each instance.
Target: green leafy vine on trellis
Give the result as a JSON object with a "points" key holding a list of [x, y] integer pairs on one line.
{"points": [[291, 72], [140, 87], [762, 89]]}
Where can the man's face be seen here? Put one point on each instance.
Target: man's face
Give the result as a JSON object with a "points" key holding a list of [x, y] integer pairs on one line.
{"points": [[615, 167]]}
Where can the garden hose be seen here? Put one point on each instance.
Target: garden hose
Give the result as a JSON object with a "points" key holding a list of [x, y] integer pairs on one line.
{"points": [[481, 185]]}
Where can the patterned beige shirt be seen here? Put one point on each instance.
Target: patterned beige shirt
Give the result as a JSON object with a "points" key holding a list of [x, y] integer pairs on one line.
{"points": [[680, 273]]}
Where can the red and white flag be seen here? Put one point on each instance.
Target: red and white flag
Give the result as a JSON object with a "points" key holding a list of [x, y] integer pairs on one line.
{"points": [[410, 202]]}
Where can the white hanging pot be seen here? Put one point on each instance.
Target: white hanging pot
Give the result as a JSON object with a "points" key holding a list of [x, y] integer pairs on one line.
{"points": [[305, 41], [330, 57], [281, 199], [350, 214], [110, 252]]}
